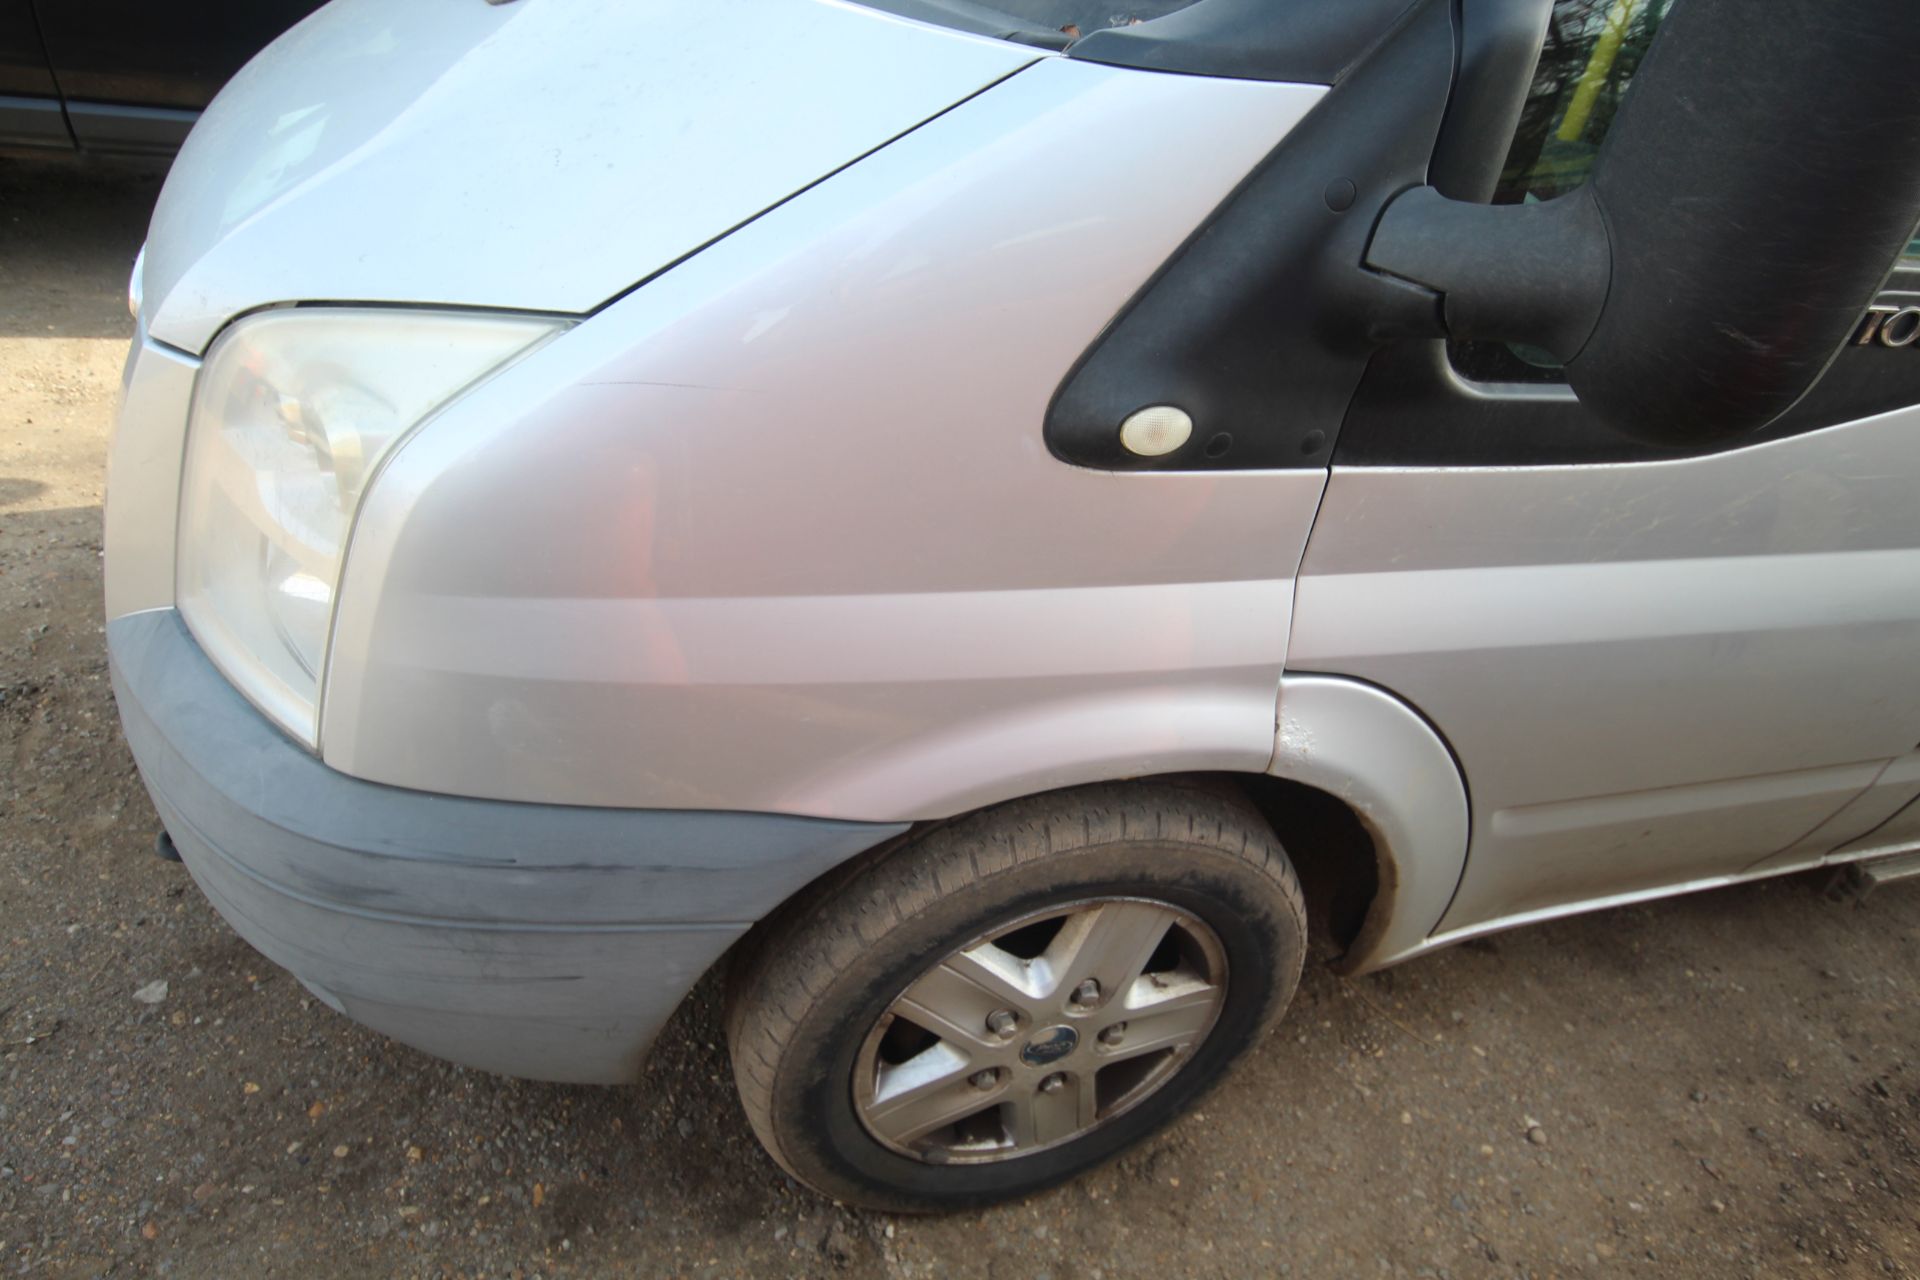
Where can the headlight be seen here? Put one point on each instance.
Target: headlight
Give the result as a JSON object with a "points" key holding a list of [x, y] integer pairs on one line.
{"points": [[292, 413]]}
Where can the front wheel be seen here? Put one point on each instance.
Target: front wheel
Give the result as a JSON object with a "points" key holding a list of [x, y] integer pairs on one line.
{"points": [[1016, 996]]}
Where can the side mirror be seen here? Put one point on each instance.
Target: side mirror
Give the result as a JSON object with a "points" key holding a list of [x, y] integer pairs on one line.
{"points": [[1749, 200]]}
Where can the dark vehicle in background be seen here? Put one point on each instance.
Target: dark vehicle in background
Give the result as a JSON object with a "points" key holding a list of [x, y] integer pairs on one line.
{"points": [[123, 76]]}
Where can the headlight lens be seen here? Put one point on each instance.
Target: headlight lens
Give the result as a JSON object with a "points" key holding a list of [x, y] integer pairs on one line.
{"points": [[292, 413]]}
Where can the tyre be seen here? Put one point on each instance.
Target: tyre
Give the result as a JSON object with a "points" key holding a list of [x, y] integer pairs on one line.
{"points": [[1016, 996]]}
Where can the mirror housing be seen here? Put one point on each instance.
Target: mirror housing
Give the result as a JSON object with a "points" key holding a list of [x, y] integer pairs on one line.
{"points": [[1752, 195]]}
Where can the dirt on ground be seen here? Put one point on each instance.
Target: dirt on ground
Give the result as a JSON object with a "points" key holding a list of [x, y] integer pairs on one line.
{"points": [[1726, 1084]]}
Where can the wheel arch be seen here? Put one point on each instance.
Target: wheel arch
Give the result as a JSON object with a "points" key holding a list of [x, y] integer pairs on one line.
{"points": [[1394, 772], [1362, 791]]}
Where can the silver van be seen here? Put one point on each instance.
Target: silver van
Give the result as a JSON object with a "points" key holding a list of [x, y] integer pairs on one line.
{"points": [[945, 510]]}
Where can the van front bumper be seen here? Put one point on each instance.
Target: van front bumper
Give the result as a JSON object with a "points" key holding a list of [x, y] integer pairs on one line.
{"points": [[545, 941]]}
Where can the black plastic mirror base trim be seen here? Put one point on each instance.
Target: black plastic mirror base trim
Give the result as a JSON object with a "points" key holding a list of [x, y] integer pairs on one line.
{"points": [[1261, 325]]}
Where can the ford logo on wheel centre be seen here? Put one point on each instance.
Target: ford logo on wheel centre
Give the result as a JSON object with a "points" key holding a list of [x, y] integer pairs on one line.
{"points": [[1050, 1045]]}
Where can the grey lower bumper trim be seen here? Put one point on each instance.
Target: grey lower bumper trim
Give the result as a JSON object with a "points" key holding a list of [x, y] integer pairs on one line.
{"points": [[535, 940]]}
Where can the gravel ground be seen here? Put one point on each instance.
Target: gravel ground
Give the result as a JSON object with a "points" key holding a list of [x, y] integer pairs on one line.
{"points": [[1721, 1085]]}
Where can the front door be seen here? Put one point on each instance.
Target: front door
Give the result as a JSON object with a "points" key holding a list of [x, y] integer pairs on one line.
{"points": [[1655, 667]]}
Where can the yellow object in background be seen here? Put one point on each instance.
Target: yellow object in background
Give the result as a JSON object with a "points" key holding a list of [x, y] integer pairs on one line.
{"points": [[1580, 110]]}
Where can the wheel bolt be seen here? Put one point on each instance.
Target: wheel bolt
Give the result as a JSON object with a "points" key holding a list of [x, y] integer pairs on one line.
{"points": [[1003, 1022], [1053, 1083], [1087, 992], [1114, 1034], [984, 1079]]}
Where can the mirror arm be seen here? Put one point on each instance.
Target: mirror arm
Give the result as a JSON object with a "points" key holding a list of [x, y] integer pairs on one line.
{"points": [[1534, 273]]}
